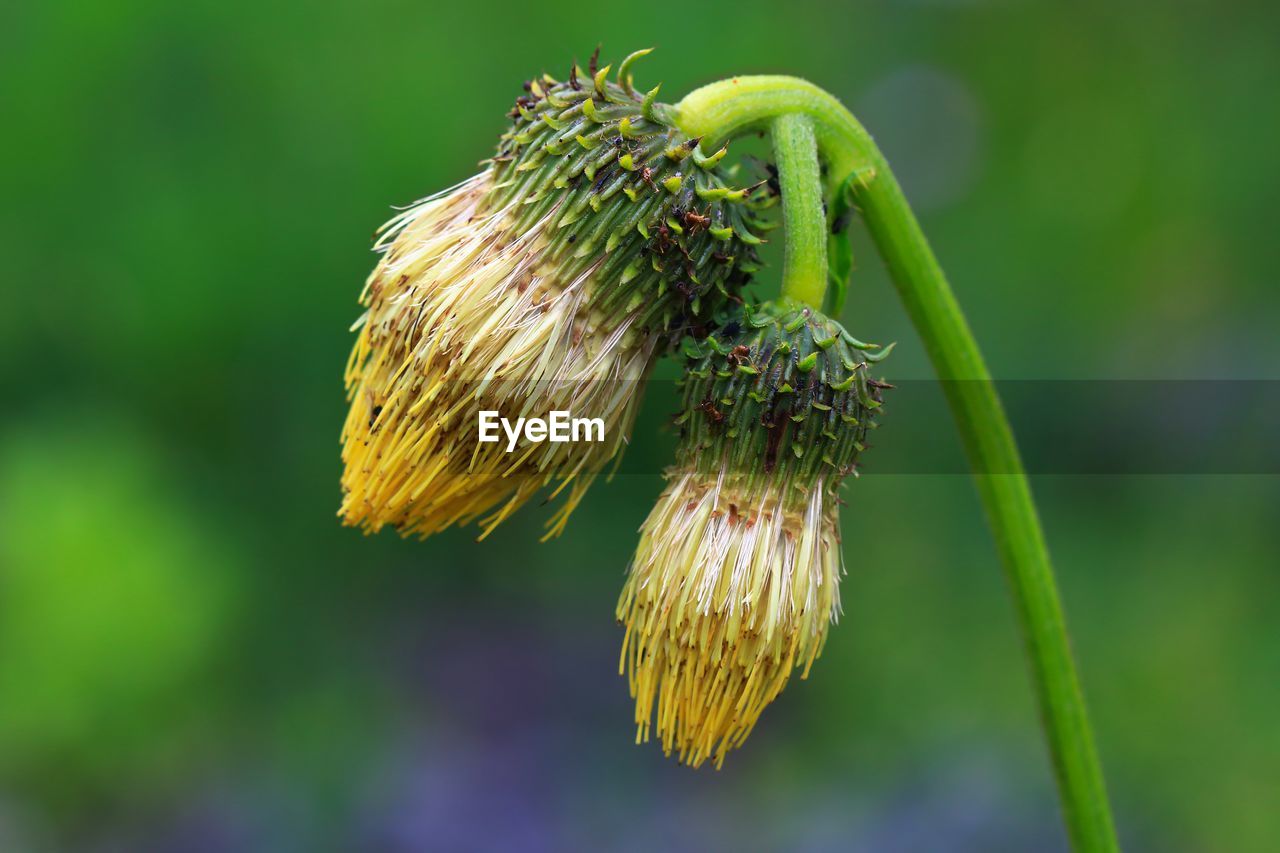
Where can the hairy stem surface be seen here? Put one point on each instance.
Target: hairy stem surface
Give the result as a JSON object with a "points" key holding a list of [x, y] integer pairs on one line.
{"points": [[804, 265]]}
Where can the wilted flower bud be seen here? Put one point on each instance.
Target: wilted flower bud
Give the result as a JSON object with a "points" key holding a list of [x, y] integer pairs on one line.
{"points": [[549, 282], [737, 574]]}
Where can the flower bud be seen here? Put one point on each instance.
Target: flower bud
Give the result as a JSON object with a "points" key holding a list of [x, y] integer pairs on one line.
{"points": [[551, 281], [737, 574]]}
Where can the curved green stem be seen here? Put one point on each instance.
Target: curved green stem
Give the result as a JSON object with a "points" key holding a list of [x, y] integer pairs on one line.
{"points": [[804, 265], [722, 110]]}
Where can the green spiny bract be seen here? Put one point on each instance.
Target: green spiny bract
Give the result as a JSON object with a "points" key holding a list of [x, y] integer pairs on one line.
{"points": [[780, 393], [620, 189]]}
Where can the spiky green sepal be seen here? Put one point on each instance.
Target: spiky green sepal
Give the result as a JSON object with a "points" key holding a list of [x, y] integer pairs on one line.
{"points": [[780, 393], [620, 192]]}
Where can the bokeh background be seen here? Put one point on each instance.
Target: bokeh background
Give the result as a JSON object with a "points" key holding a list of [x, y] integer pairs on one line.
{"points": [[194, 656]]}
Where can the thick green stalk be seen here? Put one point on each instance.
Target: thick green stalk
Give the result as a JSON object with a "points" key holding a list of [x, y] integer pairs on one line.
{"points": [[804, 264], [722, 110]]}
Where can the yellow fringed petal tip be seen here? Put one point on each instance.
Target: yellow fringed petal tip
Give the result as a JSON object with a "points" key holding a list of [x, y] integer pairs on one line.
{"points": [[732, 590], [462, 318]]}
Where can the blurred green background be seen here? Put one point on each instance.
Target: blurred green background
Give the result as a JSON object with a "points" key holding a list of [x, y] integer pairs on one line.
{"points": [[194, 656]]}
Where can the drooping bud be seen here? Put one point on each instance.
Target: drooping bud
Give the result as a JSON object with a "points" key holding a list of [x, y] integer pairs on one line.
{"points": [[549, 282], [737, 574]]}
